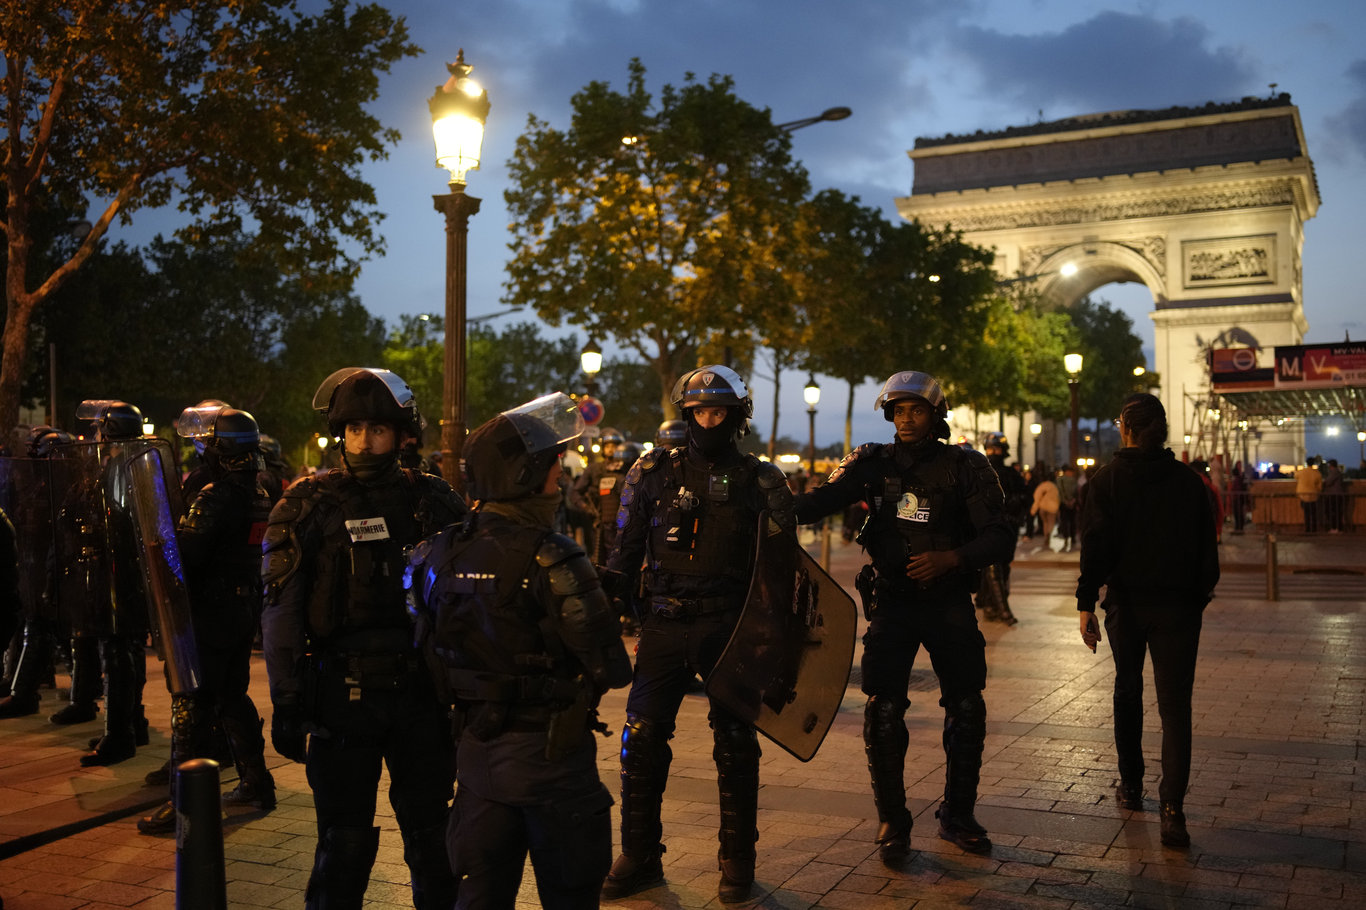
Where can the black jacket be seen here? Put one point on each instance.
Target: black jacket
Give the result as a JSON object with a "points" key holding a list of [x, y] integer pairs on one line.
{"points": [[1147, 532]]}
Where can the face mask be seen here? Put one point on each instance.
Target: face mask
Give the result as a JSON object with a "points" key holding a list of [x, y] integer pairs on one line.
{"points": [[365, 467], [713, 441]]}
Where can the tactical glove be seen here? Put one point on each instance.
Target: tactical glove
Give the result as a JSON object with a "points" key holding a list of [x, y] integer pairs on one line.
{"points": [[287, 732]]}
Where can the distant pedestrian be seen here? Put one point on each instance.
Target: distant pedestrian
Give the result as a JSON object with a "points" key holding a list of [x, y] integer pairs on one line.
{"points": [[1045, 506], [1149, 539], [1334, 497], [1309, 489]]}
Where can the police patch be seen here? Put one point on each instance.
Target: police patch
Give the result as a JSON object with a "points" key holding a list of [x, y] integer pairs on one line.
{"points": [[363, 529], [910, 509]]}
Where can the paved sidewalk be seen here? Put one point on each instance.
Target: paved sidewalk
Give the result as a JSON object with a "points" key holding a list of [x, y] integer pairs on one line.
{"points": [[1275, 810]]}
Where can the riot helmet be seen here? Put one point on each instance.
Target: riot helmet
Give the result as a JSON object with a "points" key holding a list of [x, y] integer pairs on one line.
{"points": [[113, 419], [914, 384], [509, 456], [996, 440], [671, 433], [42, 440], [626, 455], [367, 393], [230, 438], [712, 387], [610, 436]]}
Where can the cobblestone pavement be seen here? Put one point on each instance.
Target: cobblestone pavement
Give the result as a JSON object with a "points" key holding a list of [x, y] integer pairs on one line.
{"points": [[1273, 808]]}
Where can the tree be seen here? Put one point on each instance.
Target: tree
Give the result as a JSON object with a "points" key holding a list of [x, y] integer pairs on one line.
{"points": [[176, 324], [516, 366], [1110, 351], [674, 243], [229, 111], [883, 297]]}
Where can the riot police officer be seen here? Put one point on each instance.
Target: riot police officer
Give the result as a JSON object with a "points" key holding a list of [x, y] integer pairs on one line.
{"points": [[934, 521], [689, 516], [993, 595], [597, 490], [220, 548], [523, 642], [339, 650], [122, 640], [671, 433]]}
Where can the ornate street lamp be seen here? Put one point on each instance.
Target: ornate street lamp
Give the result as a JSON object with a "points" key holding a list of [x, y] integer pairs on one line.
{"points": [[590, 359], [1035, 430], [459, 109], [830, 113], [812, 396], [1072, 364]]}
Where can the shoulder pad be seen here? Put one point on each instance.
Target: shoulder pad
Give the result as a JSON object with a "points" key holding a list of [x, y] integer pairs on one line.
{"points": [[769, 475], [867, 450], [555, 549], [975, 459], [650, 460]]}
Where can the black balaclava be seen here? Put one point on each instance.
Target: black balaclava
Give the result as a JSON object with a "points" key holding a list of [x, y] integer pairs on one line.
{"points": [[713, 442]]}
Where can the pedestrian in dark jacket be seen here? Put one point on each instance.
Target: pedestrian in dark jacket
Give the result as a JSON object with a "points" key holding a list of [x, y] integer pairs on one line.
{"points": [[1148, 536]]}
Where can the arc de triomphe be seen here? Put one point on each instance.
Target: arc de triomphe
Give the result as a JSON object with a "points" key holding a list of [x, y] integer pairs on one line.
{"points": [[1204, 206]]}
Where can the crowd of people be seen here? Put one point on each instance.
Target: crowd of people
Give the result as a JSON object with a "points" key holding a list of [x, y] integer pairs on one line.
{"points": [[463, 637]]}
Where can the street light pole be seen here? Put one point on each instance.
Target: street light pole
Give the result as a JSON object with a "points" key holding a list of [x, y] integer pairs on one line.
{"points": [[830, 113], [459, 109], [1072, 363], [1035, 430], [812, 396]]}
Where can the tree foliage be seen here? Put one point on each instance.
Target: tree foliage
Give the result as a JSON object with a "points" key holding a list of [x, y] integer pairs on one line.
{"points": [[177, 324], [674, 245], [240, 114], [1110, 350]]}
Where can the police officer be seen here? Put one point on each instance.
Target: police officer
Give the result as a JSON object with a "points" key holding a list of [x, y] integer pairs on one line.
{"points": [[934, 521], [123, 642], [690, 517], [670, 434], [339, 650], [220, 548], [597, 490], [523, 641], [993, 596]]}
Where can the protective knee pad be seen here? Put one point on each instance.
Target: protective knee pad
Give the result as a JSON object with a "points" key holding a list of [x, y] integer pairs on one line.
{"points": [[341, 867], [645, 759], [736, 753], [965, 721], [885, 740], [884, 723]]}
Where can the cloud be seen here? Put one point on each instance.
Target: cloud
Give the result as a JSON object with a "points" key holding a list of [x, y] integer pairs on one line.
{"points": [[1349, 125], [1112, 61]]}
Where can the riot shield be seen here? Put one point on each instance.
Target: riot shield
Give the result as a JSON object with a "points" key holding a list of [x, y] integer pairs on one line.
{"points": [[25, 495], [786, 667], [149, 497], [80, 590]]}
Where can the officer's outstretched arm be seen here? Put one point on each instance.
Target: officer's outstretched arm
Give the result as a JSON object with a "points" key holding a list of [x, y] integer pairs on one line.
{"points": [[777, 496], [587, 624]]}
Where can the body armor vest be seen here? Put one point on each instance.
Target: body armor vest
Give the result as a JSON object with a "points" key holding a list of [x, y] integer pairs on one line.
{"points": [[704, 524], [221, 543], [359, 572], [914, 510], [495, 649]]}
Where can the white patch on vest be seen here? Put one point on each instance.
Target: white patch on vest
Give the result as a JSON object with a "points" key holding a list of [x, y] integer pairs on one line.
{"points": [[606, 483], [363, 529], [910, 509]]}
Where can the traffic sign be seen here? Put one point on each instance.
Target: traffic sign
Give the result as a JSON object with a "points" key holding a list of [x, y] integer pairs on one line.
{"points": [[590, 409]]}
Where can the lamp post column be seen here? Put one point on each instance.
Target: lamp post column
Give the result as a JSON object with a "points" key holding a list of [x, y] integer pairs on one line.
{"points": [[457, 206]]}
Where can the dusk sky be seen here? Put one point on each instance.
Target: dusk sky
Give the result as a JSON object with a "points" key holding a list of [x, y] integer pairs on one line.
{"points": [[908, 69]]}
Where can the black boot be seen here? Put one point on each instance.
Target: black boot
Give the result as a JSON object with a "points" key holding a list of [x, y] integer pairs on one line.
{"points": [[19, 704], [645, 758], [255, 785], [75, 713], [119, 742], [965, 730], [736, 753], [162, 821], [884, 742]]}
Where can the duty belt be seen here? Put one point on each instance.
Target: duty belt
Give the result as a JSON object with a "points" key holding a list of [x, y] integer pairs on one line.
{"points": [[473, 685], [688, 609], [378, 671]]}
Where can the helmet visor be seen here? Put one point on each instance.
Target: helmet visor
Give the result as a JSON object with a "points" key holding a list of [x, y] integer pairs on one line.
{"points": [[197, 422], [557, 411], [403, 395]]}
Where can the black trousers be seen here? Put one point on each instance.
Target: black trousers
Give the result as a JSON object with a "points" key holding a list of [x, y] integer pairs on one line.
{"points": [[1171, 633]]}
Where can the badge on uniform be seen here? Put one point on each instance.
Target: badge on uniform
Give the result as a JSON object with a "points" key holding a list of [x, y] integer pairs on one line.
{"points": [[605, 484], [909, 508], [363, 529]]}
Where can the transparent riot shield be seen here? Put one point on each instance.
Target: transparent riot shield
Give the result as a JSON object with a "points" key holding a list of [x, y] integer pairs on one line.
{"points": [[786, 667], [151, 498], [81, 582]]}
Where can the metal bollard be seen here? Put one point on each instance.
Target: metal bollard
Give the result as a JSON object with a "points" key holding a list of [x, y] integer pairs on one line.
{"points": [[1273, 581], [200, 879]]}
